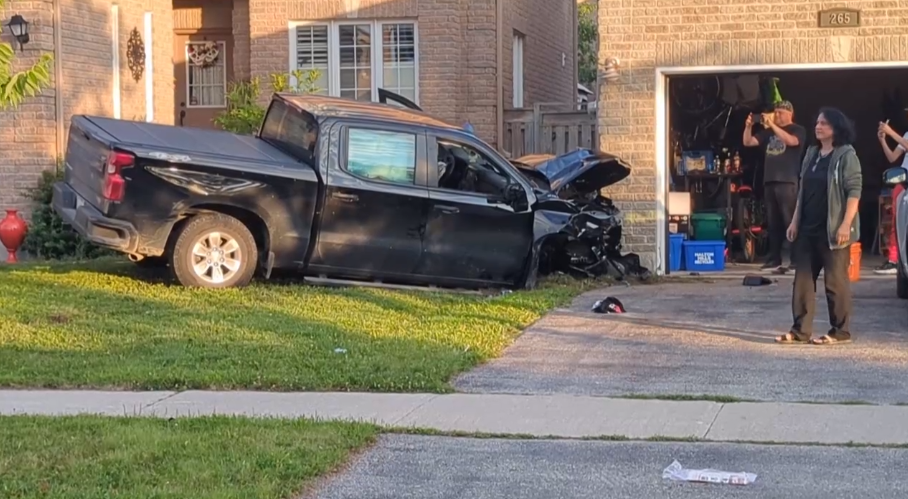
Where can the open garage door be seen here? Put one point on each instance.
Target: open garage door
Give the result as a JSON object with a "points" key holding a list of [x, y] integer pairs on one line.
{"points": [[705, 116]]}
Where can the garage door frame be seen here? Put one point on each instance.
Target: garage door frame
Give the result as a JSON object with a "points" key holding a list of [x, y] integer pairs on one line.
{"points": [[662, 131]]}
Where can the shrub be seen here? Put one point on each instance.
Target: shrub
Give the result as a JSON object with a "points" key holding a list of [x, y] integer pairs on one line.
{"points": [[48, 237], [245, 113]]}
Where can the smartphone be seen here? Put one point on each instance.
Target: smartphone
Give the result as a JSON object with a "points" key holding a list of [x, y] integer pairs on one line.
{"points": [[757, 118]]}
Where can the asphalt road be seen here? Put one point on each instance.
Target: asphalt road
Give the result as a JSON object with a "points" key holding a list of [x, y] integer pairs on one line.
{"points": [[692, 339], [403, 467]]}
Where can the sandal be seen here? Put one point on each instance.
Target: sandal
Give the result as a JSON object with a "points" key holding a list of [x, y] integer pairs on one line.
{"points": [[829, 340], [790, 339]]}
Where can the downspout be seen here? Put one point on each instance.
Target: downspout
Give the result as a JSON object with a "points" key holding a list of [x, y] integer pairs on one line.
{"points": [[499, 73], [575, 46], [58, 83]]}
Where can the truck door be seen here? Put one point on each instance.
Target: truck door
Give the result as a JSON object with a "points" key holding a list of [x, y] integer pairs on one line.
{"points": [[375, 203], [473, 231]]}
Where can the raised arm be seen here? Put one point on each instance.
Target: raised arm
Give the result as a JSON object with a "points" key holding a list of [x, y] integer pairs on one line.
{"points": [[749, 139]]}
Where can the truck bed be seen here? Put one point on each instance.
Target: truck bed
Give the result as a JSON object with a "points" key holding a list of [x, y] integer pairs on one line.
{"points": [[193, 145]]}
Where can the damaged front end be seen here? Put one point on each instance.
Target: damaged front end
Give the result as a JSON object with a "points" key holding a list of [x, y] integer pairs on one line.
{"points": [[578, 231]]}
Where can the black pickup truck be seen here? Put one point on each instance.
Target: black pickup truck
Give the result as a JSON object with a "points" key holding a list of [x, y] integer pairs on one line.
{"points": [[336, 189]]}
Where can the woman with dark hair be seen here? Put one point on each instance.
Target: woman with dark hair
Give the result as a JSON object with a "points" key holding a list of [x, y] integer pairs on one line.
{"points": [[824, 225]]}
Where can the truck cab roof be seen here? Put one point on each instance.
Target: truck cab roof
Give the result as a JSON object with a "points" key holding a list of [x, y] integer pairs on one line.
{"points": [[323, 107]]}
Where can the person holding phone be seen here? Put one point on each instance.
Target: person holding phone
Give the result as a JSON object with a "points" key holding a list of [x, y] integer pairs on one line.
{"points": [[891, 265], [783, 140]]}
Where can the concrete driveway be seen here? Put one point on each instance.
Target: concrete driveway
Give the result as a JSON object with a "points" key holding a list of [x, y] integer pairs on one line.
{"points": [[408, 466], [707, 339]]}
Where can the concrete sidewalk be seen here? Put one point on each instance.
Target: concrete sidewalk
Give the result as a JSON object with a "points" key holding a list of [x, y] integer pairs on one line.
{"points": [[563, 416]]}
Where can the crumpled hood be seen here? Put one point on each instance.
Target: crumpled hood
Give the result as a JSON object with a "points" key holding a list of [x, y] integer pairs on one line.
{"points": [[584, 170]]}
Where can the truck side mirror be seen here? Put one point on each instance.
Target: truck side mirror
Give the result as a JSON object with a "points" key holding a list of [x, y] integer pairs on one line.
{"points": [[895, 176], [516, 197]]}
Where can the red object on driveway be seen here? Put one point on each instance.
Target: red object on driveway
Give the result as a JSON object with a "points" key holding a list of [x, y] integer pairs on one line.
{"points": [[12, 233]]}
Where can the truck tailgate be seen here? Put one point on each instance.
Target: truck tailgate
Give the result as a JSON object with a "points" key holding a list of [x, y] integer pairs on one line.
{"points": [[85, 161]]}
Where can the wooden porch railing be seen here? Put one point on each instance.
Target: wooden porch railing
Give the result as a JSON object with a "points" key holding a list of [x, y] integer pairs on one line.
{"points": [[542, 131]]}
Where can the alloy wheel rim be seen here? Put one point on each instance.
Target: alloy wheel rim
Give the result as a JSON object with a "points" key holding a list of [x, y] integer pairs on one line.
{"points": [[216, 257]]}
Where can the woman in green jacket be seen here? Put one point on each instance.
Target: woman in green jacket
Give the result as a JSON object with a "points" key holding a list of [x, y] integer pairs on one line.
{"points": [[824, 225]]}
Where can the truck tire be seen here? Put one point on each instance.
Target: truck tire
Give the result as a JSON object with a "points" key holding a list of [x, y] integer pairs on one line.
{"points": [[214, 251], [901, 283]]}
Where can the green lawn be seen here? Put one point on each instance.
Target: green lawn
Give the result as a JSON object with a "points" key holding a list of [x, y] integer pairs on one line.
{"points": [[136, 458], [99, 325]]}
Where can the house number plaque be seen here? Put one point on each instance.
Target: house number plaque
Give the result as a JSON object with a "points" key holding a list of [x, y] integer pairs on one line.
{"points": [[839, 18]]}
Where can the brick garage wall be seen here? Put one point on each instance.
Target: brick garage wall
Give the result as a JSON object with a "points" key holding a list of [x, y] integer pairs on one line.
{"points": [[548, 26], [29, 134], [456, 48], [645, 34]]}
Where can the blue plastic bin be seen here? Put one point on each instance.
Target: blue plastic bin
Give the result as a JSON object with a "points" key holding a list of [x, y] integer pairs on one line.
{"points": [[704, 256], [674, 252]]}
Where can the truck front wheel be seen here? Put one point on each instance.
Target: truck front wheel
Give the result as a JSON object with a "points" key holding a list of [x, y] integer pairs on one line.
{"points": [[214, 251]]}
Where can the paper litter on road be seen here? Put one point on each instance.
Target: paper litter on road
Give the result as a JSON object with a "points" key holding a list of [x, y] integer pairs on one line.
{"points": [[678, 473]]}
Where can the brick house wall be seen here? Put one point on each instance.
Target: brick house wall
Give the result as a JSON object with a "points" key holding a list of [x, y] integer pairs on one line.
{"points": [[29, 134], [645, 34], [550, 31], [457, 48], [27, 139]]}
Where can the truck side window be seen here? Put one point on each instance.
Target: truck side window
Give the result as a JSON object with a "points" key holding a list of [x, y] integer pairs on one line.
{"points": [[462, 168], [382, 155]]}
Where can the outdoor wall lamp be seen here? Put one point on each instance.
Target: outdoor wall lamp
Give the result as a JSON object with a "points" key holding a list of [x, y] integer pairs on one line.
{"points": [[18, 27], [610, 72]]}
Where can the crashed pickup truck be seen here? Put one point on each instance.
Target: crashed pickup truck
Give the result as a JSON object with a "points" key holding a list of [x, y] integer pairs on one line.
{"points": [[336, 189]]}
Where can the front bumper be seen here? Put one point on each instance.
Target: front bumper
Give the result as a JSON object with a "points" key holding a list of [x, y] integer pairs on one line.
{"points": [[91, 223]]}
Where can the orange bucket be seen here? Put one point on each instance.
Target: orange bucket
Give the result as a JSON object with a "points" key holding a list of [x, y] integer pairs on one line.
{"points": [[854, 263]]}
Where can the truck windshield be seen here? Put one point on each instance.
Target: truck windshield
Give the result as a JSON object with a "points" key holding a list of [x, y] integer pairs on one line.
{"points": [[292, 130]]}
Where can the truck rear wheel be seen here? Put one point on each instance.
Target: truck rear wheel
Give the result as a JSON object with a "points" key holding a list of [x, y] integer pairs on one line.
{"points": [[214, 251]]}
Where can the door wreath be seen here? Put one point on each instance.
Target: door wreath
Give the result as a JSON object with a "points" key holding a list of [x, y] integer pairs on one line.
{"points": [[203, 54]]}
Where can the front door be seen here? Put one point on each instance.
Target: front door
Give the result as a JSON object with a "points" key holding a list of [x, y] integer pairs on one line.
{"points": [[375, 204], [203, 65], [471, 232]]}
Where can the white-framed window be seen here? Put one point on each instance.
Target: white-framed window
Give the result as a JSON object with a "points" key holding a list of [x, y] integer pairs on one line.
{"points": [[517, 77], [356, 58], [206, 79]]}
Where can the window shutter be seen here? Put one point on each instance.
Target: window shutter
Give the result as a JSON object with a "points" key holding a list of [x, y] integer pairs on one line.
{"points": [[312, 47], [312, 52]]}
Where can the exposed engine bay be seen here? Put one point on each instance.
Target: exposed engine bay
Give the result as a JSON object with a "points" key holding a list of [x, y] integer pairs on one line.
{"points": [[586, 227]]}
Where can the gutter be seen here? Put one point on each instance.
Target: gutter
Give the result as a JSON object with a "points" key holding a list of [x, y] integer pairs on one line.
{"points": [[499, 73], [58, 82]]}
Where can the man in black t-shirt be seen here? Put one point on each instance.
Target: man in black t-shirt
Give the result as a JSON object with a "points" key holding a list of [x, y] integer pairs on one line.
{"points": [[783, 140]]}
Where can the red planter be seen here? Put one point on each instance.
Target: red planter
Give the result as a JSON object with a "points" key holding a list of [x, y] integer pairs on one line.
{"points": [[12, 234]]}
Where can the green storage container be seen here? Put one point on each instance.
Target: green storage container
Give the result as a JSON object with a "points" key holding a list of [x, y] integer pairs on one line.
{"points": [[708, 226]]}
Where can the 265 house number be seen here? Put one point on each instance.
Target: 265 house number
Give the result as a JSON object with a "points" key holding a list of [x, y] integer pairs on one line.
{"points": [[839, 18]]}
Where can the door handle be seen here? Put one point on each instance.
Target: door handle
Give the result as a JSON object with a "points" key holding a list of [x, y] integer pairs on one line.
{"points": [[447, 210], [349, 198]]}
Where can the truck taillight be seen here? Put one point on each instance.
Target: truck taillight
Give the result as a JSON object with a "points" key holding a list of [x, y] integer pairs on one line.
{"points": [[114, 183]]}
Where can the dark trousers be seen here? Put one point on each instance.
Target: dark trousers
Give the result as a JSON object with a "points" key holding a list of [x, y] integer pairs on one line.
{"points": [[780, 199], [811, 254]]}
